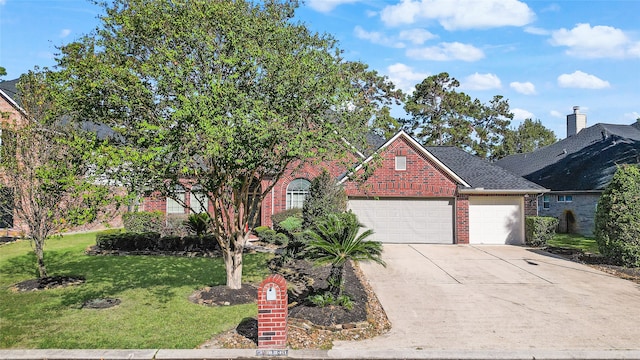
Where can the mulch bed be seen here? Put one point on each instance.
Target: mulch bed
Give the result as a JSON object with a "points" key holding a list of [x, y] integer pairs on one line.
{"points": [[50, 282], [309, 326]]}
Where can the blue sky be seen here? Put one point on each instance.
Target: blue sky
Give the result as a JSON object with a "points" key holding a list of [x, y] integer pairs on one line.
{"points": [[544, 56]]}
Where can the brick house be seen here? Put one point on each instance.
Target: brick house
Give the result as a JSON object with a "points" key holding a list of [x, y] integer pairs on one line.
{"points": [[11, 114], [577, 169], [415, 194]]}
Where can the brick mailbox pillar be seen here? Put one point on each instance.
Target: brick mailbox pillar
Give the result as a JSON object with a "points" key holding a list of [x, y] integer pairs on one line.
{"points": [[272, 313]]}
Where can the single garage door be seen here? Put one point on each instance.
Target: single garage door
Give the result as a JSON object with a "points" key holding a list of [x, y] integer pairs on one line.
{"points": [[407, 221], [496, 220]]}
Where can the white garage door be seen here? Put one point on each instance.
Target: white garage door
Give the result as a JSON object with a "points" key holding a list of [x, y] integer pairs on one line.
{"points": [[407, 221], [496, 220]]}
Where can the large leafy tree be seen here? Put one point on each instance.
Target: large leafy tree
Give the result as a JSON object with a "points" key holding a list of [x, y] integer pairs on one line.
{"points": [[51, 186], [527, 137], [225, 94], [442, 115]]}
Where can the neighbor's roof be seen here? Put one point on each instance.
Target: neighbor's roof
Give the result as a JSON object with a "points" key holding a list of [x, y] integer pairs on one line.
{"points": [[585, 161], [479, 173], [9, 90]]}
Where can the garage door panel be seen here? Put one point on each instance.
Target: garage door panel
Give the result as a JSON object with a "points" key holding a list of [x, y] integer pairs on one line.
{"points": [[407, 221], [496, 220]]}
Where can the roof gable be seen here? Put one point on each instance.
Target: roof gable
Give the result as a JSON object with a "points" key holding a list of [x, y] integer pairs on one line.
{"points": [[414, 144], [469, 172]]}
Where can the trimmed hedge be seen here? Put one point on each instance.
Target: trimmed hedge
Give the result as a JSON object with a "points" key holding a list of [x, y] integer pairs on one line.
{"points": [[539, 230], [152, 241], [143, 221]]}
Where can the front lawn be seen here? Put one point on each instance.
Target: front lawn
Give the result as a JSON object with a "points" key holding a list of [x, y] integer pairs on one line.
{"points": [[154, 311], [574, 241]]}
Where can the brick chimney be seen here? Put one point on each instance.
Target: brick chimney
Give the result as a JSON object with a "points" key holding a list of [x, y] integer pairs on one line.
{"points": [[576, 121]]}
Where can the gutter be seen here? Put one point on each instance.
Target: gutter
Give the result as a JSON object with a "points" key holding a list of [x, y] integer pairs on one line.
{"points": [[481, 191]]}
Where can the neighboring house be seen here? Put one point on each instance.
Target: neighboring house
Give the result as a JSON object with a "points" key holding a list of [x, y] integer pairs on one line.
{"points": [[577, 169], [413, 195], [11, 113]]}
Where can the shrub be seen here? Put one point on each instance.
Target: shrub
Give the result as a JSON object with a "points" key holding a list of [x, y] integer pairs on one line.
{"points": [[291, 225], [325, 197], [618, 218], [143, 221], [327, 299], [199, 224], [267, 235], [539, 230], [128, 241], [175, 225], [283, 215]]}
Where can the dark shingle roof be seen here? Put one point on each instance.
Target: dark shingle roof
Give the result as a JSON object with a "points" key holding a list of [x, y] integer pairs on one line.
{"points": [[479, 173], [585, 161], [10, 89]]}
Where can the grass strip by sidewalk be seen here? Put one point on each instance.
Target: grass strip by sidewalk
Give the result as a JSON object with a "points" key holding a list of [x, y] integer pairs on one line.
{"points": [[154, 312]]}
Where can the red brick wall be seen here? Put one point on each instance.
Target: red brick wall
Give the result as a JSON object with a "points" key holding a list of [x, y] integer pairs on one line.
{"points": [[421, 179], [531, 205], [462, 219]]}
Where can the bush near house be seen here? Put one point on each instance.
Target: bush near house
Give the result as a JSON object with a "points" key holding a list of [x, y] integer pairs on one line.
{"points": [[143, 221], [618, 218], [539, 230], [325, 197], [152, 241]]}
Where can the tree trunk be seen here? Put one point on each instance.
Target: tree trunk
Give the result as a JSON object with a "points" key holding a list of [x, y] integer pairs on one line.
{"points": [[39, 250], [233, 262]]}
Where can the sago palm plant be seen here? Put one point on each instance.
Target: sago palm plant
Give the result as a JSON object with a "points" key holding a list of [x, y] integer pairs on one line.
{"points": [[335, 240]]}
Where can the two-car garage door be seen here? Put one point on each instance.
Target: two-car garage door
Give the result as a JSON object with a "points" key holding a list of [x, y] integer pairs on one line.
{"points": [[407, 220], [492, 219]]}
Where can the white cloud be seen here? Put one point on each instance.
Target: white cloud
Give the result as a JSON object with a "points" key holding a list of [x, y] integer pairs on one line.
{"points": [[460, 14], [595, 42], [416, 36], [582, 80], [526, 88], [404, 77], [481, 82], [377, 38], [65, 32], [2, 2], [536, 31], [521, 114], [447, 51], [326, 6], [556, 114]]}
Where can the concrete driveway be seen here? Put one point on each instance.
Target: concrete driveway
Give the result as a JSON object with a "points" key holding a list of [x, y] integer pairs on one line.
{"points": [[506, 298]]}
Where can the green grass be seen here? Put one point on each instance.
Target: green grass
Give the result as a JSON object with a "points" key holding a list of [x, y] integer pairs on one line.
{"points": [[575, 241], [154, 313]]}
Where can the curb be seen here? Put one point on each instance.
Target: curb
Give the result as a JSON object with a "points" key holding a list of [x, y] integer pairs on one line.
{"points": [[218, 354]]}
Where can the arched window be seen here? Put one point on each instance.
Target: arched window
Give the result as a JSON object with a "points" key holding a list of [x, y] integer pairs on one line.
{"points": [[297, 191]]}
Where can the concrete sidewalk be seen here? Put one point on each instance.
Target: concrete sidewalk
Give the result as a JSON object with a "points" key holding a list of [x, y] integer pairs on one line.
{"points": [[216, 354], [466, 302]]}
